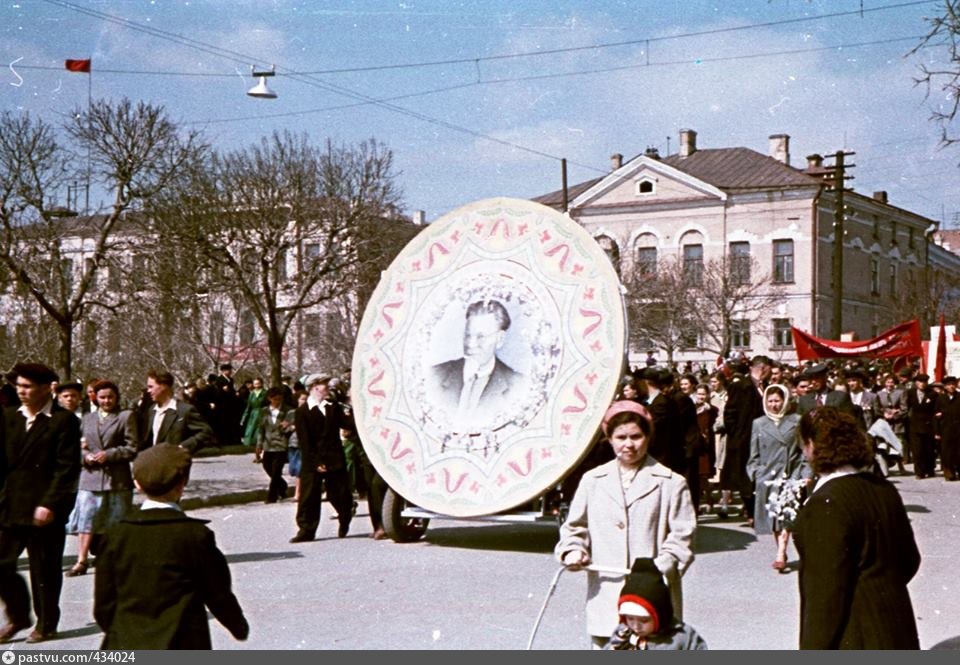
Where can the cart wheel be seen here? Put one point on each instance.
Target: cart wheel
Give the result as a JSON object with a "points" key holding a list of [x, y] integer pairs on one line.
{"points": [[401, 529]]}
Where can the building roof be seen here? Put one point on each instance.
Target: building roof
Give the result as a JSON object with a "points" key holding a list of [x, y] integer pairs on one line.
{"points": [[732, 169]]}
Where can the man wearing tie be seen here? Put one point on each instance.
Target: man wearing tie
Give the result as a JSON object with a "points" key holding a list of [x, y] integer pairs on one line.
{"points": [[921, 407], [478, 385], [39, 471], [317, 423], [820, 394], [170, 420]]}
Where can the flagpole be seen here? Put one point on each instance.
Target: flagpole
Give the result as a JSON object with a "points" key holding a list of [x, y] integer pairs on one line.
{"points": [[86, 203]]}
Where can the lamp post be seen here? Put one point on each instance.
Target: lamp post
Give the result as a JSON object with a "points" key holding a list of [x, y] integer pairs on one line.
{"points": [[261, 90]]}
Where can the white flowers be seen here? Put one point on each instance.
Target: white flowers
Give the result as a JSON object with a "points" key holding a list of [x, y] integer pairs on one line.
{"points": [[785, 497]]}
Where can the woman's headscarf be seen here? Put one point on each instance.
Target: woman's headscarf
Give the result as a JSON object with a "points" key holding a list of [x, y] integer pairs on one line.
{"points": [[785, 392]]}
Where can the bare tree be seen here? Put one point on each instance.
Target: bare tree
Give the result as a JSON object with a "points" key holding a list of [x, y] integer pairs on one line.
{"points": [[732, 290], [133, 151], [944, 31], [660, 308], [273, 227]]}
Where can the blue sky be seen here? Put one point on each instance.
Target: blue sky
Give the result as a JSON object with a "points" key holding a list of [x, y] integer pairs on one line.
{"points": [[497, 126]]}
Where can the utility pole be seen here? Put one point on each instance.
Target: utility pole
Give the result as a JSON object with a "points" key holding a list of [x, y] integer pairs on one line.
{"points": [[839, 176], [563, 180]]}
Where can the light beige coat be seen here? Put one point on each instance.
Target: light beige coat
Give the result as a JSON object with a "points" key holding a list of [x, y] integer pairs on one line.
{"points": [[653, 518]]}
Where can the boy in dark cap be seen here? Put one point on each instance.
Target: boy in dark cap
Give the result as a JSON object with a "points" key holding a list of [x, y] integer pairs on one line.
{"points": [[646, 615], [160, 570]]}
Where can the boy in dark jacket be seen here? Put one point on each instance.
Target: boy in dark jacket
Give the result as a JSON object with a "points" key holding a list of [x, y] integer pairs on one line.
{"points": [[646, 615], [160, 570]]}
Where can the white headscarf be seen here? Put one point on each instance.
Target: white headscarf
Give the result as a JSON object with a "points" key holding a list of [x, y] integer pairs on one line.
{"points": [[783, 390]]}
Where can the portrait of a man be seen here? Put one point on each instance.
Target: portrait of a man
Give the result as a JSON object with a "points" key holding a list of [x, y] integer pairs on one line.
{"points": [[479, 384]]}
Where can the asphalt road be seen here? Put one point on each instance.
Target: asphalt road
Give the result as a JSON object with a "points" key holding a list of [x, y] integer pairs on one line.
{"points": [[481, 586]]}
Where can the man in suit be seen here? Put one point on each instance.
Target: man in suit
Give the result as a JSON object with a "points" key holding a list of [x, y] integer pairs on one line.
{"points": [[229, 406], [317, 423], [744, 405], [170, 420], [921, 407], [477, 385], [664, 446], [864, 401], [39, 470], [948, 429], [820, 393]]}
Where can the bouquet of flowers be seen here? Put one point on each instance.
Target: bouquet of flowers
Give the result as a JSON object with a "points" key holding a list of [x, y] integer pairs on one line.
{"points": [[785, 498]]}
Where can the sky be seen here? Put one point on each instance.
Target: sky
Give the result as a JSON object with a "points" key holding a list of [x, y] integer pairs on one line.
{"points": [[482, 99]]}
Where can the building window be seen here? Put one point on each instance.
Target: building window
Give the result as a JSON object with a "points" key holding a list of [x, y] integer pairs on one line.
{"points": [[647, 261], [783, 261], [910, 237], [280, 268], [893, 280], [782, 333], [693, 265], [311, 254], [215, 334], [66, 271], [312, 334], [875, 277], [88, 270], [740, 262], [645, 186], [893, 233], [740, 333], [689, 338], [876, 227], [247, 327]]}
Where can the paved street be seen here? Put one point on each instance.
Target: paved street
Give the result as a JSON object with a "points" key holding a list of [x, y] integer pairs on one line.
{"points": [[481, 586]]}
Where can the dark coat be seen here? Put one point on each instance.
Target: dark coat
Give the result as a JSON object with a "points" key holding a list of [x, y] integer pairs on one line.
{"points": [[502, 389], [116, 435], [318, 435], [837, 398], [920, 411], [40, 467], [158, 573], [184, 427], [857, 554], [664, 444], [744, 405]]}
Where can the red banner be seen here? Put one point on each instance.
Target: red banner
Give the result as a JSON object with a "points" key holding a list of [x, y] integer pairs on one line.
{"points": [[901, 341], [81, 66]]}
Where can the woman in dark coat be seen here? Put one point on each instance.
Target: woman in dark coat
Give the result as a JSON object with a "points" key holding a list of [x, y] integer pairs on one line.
{"points": [[857, 550]]}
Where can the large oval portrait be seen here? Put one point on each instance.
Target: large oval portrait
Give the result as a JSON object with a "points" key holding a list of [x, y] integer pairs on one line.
{"points": [[487, 356]]}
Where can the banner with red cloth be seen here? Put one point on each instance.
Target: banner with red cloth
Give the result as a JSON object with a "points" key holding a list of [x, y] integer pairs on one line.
{"points": [[82, 66], [940, 370], [900, 341]]}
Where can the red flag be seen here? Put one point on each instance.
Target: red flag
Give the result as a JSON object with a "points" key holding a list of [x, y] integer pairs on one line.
{"points": [[902, 340], [82, 66], [941, 368]]}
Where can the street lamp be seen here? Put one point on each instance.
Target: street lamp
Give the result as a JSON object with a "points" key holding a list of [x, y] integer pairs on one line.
{"points": [[261, 89]]}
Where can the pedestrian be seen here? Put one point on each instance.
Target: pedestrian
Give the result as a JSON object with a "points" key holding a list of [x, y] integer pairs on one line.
{"points": [[857, 549], [276, 425], [774, 459], [646, 614], [948, 428], [293, 449], [627, 508], [170, 420], [318, 424], [39, 470], [106, 486], [160, 571], [229, 408], [252, 412], [921, 407]]}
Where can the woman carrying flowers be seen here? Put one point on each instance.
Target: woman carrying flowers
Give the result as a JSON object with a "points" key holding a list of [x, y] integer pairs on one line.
{"points": [[775, 459]]}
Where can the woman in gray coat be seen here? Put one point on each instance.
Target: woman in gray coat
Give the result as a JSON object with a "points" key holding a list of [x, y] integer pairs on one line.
{"points": [[775, 457], [628, 508], [106, 485]]}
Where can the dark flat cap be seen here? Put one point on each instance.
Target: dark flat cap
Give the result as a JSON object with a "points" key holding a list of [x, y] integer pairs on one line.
{"points": [[921, 377], [814, 370], [36, 372], [949, 379], [160, 468], [72, 385]]}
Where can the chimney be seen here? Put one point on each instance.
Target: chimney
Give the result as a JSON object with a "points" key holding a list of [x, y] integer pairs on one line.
{"points": [[780, 148], [688, 142], [814, 161], [616, 161], [880, 196], [419, 217], [652, 152]]}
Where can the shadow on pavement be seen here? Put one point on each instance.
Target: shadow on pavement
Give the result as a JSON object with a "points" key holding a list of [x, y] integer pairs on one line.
{"points": [[90, 629], [711, 539], [916, 509], [949, 644], [505, 537], [248, 557]]}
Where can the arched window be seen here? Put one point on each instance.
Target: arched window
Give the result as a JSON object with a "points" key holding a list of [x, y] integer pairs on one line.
{"points": [[645, 186], [646, 254]]}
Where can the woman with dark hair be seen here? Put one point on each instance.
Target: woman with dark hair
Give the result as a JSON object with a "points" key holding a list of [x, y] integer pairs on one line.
{"points": [[857, 549], [630, 507], [629, 390], [108, 445]]}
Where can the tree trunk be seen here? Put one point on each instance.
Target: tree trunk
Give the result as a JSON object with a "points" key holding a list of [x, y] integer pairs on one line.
{"points": [[65, 360], [275, 345]]}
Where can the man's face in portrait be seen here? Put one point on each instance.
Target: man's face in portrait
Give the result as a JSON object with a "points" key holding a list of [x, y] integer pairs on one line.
{"points": [[69, 399], [33, 395], [482, 336]]}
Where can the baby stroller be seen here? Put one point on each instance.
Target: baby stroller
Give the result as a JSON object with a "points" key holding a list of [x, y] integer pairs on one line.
{"points": [[887, 448]]}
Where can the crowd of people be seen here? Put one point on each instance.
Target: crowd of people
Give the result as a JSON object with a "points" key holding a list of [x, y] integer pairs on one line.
{"points": [[69, 465]]}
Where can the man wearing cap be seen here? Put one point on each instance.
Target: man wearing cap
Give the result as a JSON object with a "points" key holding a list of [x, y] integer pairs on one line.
{"points": [[921, 407], [820, 393], [170, 420], [39, 472], [318, 423], [948, 429], [229, 408]]}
